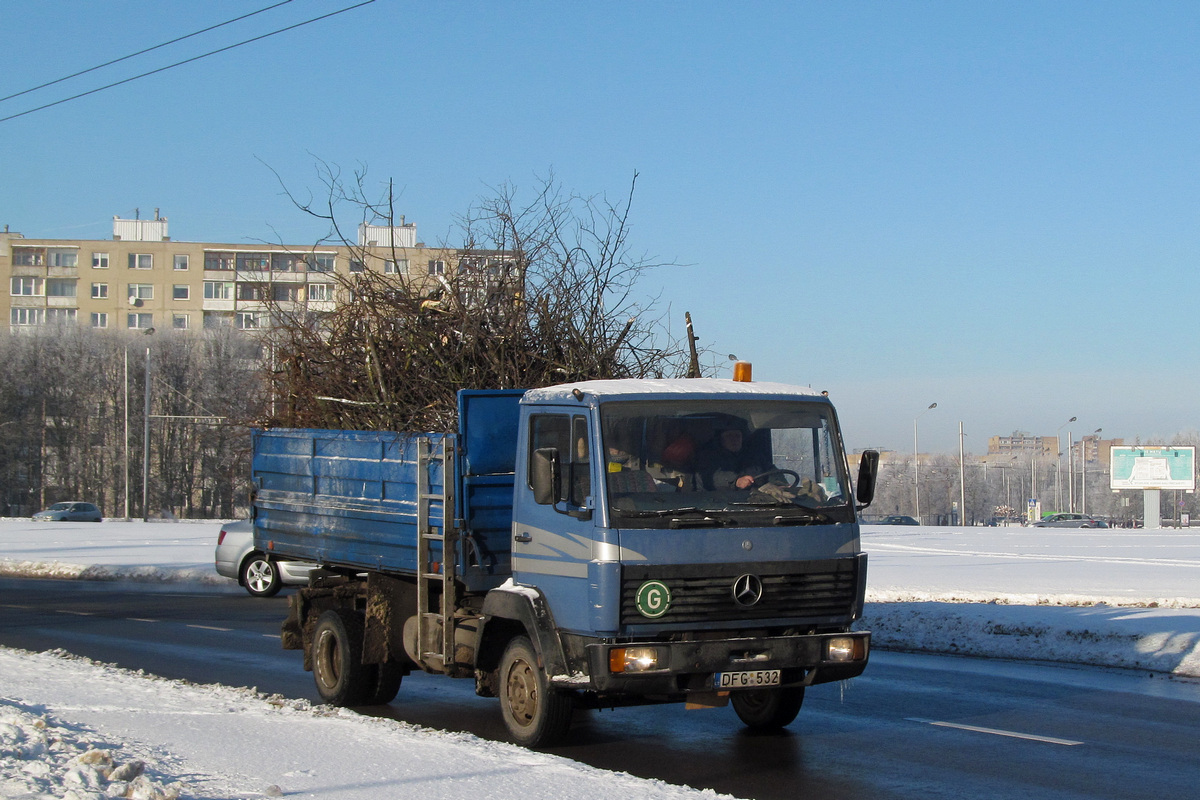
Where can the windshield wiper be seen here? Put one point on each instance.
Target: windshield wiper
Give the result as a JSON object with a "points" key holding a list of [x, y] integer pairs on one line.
{"points": [[660, 512], [678, 519]]}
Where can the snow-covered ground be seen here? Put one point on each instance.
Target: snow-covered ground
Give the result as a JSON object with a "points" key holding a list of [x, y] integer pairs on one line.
{"points": [[72, 728]]}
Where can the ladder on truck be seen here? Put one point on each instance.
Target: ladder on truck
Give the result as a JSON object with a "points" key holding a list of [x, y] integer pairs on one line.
{"points": [[436, 572]]}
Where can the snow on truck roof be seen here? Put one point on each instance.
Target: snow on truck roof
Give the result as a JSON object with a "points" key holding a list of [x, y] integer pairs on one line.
{"points": [[630, 388]]}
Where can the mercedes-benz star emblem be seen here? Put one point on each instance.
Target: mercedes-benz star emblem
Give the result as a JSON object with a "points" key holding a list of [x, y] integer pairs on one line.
{"points": [[747, 590]]}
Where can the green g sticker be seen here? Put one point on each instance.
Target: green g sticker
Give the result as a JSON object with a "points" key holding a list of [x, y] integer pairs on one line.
{"points": [[653, 599]]}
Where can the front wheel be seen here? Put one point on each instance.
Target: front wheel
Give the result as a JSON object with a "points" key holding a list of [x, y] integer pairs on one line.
{"points": [[260, 576], [342, 679], [767, 709], [536, 715]]}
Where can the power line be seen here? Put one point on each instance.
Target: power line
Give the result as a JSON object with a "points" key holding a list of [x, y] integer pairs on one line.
{"points": [[143, 52], [187, 60]]}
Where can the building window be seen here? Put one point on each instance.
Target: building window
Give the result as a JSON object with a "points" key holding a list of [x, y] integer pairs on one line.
{"points": [[219, 261], [59, 287], [179, 322], [64, 258], [28, 287], [181, 261], [397, 267], [249, 291], [27, 257], [357, 266], [283, 292], [27, 316], [213, 320], [141, 291], [218, 290], [61, 316], [437, 267], [253, 262], [99, 319], [99, 291], [322, 263], [180, 292], [283, 262], [320, 291], [142, 321], [99, 260], [250, 320]]}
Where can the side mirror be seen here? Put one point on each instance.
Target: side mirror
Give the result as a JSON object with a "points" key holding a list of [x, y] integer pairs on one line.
{"points": [[547, 476], [868, 472]]}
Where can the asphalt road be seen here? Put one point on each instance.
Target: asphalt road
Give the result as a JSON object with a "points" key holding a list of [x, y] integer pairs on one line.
{"points": [[911, 727]]}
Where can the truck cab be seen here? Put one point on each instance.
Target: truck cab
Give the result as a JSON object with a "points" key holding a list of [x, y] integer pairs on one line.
{"points": [[690, 540]]}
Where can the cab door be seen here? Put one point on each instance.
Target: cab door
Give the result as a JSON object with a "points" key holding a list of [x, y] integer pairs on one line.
{"points": [[552, 543]]}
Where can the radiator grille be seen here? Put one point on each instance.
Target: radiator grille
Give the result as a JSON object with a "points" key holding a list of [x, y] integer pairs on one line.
{"points": [[811, 591]]}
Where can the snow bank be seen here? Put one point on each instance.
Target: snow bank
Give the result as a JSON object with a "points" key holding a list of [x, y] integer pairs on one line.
{"points": [[75, 729]]}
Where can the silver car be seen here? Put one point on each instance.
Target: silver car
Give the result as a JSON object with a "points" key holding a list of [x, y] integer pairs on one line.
{"points": [[69, 511], [1070, 521], [261, 575]]}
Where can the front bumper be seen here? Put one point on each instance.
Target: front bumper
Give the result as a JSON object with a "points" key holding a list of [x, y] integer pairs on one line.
{"points": [[687, 667]]}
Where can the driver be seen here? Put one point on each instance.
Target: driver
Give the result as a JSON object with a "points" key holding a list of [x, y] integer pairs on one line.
{"points": [[727, 465]]}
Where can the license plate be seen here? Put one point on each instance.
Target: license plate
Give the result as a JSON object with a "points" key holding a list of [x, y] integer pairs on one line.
{"points": [[751, 679]]}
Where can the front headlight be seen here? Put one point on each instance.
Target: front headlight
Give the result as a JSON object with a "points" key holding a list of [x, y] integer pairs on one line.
{"points": [[845, 648], [632, 659]]}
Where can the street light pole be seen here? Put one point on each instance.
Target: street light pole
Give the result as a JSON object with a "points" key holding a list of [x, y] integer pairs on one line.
{"points": [[916, 464], [962, 477], [126, 431], [1058, 465], [1083, 466], [146, 437], [146, 445]]}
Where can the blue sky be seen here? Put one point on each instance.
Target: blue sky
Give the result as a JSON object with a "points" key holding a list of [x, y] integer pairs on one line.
{"points": [[991, 206]]}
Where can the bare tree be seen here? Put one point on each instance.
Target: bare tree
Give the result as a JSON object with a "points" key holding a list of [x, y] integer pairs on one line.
{"points": [[538, 292]]}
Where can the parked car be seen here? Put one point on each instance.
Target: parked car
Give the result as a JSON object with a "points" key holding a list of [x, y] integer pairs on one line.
{"points": [[70, 511], [1070, 521], [898, 519], [261, 575]]}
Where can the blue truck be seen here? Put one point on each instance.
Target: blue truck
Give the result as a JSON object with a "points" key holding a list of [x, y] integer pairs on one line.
{"points": [[591, 545]]}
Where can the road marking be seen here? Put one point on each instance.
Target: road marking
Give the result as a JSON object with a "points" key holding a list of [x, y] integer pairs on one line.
{"points": [[140, 619], [76, 613], [996, 732], [210, 628], [272, 636]]}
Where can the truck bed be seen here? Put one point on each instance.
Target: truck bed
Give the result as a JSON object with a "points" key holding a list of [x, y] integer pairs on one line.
{"points": [[350, 498]]}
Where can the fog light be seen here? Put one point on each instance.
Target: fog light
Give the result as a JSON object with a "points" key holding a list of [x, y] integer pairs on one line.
{"points": [[632, 659], [845, 648]]}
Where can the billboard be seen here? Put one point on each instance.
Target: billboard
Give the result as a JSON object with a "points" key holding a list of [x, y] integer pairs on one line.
{"points": [[1149, 467]]}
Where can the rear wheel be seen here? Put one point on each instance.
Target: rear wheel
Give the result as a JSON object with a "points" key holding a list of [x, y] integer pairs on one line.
{"points": [[767, 709], [260, 576], [342, 679], [536, 715]]}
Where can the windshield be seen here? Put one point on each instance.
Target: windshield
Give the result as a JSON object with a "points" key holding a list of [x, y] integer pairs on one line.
{"points": [[709, 463]]}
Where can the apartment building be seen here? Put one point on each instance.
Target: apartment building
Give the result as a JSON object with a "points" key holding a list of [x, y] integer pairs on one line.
{"points": [[142, 279], [1023, 444]]}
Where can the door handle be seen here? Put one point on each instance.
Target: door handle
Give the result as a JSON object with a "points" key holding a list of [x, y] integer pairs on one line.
{"points": [[522, 537]]}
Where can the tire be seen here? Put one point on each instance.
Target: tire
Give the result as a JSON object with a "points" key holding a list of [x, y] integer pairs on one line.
{"points": [[767, 709], [260, 576], [386, 684], [342, 679], [535, 714]]}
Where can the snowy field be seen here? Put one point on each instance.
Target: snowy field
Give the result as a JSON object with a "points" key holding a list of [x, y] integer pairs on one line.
{"points": [[71, 728]]}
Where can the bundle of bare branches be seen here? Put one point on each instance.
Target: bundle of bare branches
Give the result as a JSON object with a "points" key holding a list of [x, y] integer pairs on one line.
{"points": [[537, 294]]}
